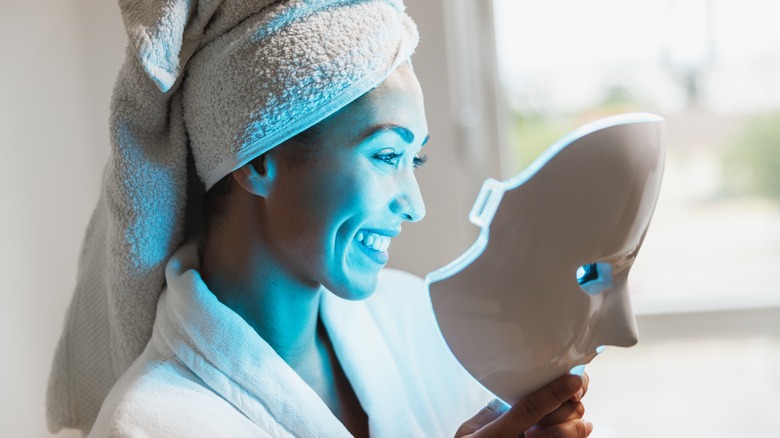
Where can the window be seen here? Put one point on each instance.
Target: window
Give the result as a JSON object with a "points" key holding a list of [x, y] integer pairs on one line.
{"points": [[712, 69], [705, 284]]}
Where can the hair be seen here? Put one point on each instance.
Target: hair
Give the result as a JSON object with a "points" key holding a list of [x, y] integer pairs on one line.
{"points": [[299, 149]]}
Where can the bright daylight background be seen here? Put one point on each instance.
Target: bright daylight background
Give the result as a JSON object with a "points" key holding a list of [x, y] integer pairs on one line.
{"points": [[706, 281]]}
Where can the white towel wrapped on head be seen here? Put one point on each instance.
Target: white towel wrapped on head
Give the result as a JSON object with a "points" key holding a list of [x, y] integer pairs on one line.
{"points": [[230, 79]]}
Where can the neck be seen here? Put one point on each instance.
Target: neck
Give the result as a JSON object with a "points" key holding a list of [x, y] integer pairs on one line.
{"points": [[239, 266], [284, 311]]}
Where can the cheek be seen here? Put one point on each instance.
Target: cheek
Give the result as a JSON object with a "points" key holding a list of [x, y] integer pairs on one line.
{"points": [[349, 193], [374, 191], [295, 214], [313, 204]]}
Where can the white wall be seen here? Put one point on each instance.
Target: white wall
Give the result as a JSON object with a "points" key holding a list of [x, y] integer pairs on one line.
{"points": [[59, 60]]}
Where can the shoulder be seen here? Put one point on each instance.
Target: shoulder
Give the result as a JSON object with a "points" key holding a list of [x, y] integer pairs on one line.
{"points": [[158, 396]]}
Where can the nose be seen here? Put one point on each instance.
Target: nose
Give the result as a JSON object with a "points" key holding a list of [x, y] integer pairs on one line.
{"points": [[408, 202], [617, 325]]}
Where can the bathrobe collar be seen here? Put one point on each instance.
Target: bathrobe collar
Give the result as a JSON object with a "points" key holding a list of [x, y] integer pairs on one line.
{"points": [[225, 352]]}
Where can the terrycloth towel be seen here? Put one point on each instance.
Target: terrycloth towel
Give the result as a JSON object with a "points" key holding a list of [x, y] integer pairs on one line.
{"points": [[230, 79]]}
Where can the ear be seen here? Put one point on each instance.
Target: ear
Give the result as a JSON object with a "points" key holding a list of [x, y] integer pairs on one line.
{"points": [[257, 176]]}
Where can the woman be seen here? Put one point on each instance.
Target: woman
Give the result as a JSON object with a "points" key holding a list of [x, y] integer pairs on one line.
{"points": [[267, 324]]}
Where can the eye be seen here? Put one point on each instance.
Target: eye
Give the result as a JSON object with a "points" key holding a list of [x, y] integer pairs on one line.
{"points": [[389, 156], [393, 158], [594, 278]]}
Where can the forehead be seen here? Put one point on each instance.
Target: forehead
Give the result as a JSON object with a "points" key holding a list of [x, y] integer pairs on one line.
{"points": [[398, 100]]}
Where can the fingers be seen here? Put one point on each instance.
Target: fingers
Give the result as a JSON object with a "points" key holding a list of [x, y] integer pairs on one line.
{"points": [[489, 413], [566, 412], [532, 408], [570, 429], [581, 393]]}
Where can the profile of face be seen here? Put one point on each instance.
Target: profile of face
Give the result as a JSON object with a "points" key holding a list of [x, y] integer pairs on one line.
{"points": [[545, 286], [336, 202]]}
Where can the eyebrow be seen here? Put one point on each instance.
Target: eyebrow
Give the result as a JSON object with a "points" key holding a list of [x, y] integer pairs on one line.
{"points": [[406, 135]]}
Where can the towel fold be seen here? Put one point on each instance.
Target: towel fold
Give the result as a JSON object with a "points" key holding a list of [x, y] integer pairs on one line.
{"points": [[230, 79]]}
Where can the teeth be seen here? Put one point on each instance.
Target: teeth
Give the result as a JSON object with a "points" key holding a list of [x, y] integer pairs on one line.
{"points": [[374, 241]]}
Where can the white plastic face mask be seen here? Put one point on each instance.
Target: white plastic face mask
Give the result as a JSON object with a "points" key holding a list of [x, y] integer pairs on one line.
{"points": [[544, 287]]}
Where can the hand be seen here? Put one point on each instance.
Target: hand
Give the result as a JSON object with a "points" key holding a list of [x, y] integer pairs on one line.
{"points": [[553, 411]]}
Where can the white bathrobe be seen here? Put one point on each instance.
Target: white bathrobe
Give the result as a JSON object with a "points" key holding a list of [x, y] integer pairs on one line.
{"points": [[206, 373]]}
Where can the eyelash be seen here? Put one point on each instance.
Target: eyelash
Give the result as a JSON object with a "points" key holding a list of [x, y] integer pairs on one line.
{"points": [[419, 160], [391, 157]]}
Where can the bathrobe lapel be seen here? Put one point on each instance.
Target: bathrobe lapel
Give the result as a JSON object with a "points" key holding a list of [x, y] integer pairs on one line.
{"points": [[370, 367], [234, 361]]}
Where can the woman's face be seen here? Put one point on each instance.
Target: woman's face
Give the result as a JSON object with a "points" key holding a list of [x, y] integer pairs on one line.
{"points": [[336, 204]]}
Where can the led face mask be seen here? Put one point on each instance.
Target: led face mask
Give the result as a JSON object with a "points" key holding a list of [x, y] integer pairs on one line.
{"points": [[544, 286]]}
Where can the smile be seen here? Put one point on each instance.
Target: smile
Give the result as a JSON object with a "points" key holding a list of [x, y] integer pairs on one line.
{"points": [[374, 241]]}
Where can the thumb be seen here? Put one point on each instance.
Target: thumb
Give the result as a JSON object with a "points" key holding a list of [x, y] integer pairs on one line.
{"points": [[490, 412]]}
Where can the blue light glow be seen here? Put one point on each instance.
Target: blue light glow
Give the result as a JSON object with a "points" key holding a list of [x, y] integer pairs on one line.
{"points": [[594, 278]]}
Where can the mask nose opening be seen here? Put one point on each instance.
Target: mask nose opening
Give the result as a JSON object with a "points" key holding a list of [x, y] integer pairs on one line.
{"points": [[594, 278]]}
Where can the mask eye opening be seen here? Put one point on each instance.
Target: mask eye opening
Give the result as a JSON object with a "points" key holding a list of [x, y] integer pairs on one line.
{"points": [[594, 278]]}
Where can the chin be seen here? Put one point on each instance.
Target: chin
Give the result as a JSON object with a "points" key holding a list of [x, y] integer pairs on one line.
{"points": [[355, 287]]}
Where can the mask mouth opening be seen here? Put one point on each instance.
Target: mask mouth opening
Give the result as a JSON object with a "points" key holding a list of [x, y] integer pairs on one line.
{"points": [[579, 369], [594, 278]]}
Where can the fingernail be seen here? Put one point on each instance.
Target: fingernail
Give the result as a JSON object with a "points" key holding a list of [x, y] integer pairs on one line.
{"points": [[498, 406], [579, 395]]}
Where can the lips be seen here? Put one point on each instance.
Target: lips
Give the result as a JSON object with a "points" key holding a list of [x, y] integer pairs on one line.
{"points": [[374, 243]]}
